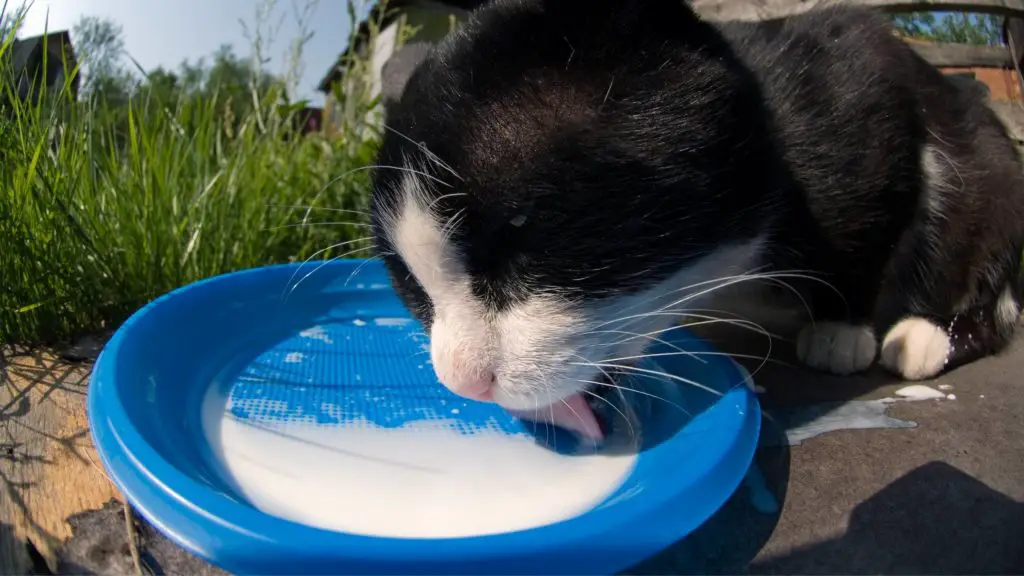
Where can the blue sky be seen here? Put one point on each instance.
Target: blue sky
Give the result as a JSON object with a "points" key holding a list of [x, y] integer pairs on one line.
{"points": [[164, 32]]}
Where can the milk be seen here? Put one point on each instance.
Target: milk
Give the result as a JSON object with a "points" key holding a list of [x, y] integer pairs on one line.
{"points": [[425, 479]]}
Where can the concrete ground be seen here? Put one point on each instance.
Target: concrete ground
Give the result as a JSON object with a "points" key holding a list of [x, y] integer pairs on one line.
{"points": [[943, 497], [940, 493]]}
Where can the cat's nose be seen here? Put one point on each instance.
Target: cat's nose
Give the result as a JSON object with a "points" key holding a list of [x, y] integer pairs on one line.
{"points": [[475, 385]]}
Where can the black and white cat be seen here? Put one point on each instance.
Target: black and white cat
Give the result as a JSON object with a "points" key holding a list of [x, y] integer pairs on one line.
{"points": [[569, 178]]}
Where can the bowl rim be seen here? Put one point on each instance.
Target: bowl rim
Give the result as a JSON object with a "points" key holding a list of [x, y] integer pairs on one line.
{"points": [[148, 481]]}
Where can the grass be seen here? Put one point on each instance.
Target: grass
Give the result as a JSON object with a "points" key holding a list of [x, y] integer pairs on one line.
{"points": [[98, 217]]}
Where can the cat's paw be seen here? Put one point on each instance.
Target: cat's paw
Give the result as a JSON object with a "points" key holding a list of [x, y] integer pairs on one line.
{"points": [[915, 349], [837, 347]]}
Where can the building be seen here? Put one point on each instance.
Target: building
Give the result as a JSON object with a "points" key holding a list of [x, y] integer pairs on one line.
{"points": [[988, 69], [30, 55], [392, 58]]}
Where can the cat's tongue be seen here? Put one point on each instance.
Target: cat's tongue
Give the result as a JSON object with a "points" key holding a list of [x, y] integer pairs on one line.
{"points": [[572, 413]]}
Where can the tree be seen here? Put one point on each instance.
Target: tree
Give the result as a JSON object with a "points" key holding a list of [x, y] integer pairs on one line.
{"points": [[954, 27], [11, 20], [160, 85], [99, 43]]}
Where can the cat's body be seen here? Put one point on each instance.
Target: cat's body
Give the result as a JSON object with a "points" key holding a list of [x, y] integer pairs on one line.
{"points": [[929, 211], [573, 173]]}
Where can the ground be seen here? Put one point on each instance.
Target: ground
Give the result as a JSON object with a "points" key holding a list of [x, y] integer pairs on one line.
{"points": [[930, 486]]}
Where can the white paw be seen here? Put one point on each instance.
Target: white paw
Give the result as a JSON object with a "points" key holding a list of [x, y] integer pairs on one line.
{"points": [[836, 347], [915, 349]]}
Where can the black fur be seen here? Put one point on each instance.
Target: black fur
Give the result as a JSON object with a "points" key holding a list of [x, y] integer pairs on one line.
{"points": [[635, 138]]}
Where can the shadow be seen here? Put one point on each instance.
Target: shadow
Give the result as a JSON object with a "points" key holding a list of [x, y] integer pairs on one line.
{"points": [[728, 541], [789, 387], [86, 348], [99, 545], [165, 557], [19, 556], [41, 402], [14, 557], [934, 520]]}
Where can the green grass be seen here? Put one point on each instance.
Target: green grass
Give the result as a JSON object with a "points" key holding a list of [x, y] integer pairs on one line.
{"points": [[97, 216]]}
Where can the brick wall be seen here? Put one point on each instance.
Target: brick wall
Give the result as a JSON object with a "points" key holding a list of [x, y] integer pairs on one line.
{"points": [[1002, 84]]}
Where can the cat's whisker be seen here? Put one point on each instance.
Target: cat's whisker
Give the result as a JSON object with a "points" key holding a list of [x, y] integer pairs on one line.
{"points": [[587, 360], [726, 281], [745, 275], [626, 419], [637, 335], [310, 224], [654, 373], [673, 354], [317, 253], [775, 277], [703, 320], [710, 320], [389, 167], [429, 154], [437, 200], [755, 327], [763, 360], [738, 322], [326, 262], [326, 208], [573, 410], [551, 418], [354, 272], [452, 224], [751, 325], [625, 389]]}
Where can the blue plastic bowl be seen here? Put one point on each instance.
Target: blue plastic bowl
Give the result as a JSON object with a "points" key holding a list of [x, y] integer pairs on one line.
{"points": [[236, 334]]}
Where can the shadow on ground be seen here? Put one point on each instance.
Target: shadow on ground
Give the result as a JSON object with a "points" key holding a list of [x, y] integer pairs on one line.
{"points": [[733, 536], [100, 546], [933, 520]]}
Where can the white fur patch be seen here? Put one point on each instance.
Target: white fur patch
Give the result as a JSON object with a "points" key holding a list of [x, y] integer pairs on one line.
{"points": [[915, 349], [1007, 309], [934, 165], [837, 347]]}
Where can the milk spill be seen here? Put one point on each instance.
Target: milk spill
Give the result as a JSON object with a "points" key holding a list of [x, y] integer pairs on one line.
{"points": [[424, 480]]}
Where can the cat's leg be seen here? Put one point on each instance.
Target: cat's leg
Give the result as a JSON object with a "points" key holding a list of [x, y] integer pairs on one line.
{"points": [[958, 280], [840, 337], [931, 338], [924, 344]]}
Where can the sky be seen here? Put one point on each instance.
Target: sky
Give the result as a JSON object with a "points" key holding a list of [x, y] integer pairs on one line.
{"points": [[165, 32]]}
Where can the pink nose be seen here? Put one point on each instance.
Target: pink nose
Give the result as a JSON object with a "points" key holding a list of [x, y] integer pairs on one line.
{"points": [[475, 387]]}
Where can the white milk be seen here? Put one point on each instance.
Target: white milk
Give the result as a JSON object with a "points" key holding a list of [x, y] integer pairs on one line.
{"points": [[426, 481]]}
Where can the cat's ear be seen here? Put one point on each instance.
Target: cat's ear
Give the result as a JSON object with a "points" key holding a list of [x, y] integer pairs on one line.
{"points": [[664, 8], [666, 11], [658, 17]]}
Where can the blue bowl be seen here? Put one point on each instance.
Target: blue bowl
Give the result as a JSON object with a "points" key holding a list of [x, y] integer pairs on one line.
{"points": [[339, 354]]}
